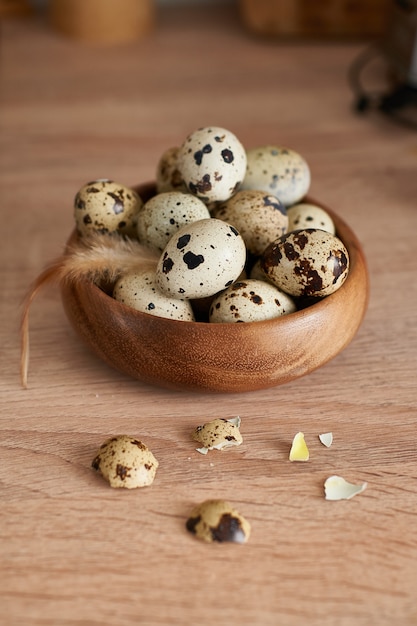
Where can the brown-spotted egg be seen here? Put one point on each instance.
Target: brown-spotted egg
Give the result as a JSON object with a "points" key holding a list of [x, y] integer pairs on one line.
{"points": [[308, 262], [138, 290], [164, 214], [250, 301], [218, 434], [306, 215], [201, 259], [125, 461], [259, 217], [168, 176], [105, 206], [218, 520], [212, 162], [277, 170]]}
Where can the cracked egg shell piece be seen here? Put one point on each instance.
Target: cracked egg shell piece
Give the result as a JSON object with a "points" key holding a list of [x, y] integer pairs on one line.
{"points": [[106, 206], [125, 461], [299, 450], [217, 434], [212, 162], [277, 170], [326, 439], [250, 301], [201, 259], [217, 520], [309, 262], [139, 291], [337, 488]]}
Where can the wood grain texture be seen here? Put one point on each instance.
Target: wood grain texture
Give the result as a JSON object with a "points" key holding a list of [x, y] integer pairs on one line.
{"points": [[74, 551]]}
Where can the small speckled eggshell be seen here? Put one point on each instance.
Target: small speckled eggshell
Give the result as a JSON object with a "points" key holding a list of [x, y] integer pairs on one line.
{"points": [[259, 217], [138, 290], [279, 171], [168, 176], [212, 162], [217, 434], [250, 301], [124, 461], [164, 214], [305, 215], [202, 259], [217, 520], [105, 206], [308, 262]]}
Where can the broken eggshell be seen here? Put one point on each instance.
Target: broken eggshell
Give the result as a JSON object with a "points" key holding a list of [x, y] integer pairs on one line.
{"points": [[217, 520], [124, 461], [337, 488], [218, 434], [299, 450]]}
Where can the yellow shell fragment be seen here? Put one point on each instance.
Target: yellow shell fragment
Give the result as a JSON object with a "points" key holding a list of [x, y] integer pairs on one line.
{"points": [[299, 450], [337, 488], [326, 439]]}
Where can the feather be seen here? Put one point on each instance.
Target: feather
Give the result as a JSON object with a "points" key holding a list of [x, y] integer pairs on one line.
{"points": [[99, 258]]}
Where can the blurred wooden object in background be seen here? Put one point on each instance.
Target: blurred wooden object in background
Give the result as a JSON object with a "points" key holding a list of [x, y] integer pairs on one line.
{"points": [[14, 7], [102, 21], [328, 18]]}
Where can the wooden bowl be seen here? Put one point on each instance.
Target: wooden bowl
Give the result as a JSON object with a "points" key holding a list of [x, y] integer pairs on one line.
{"points": [[198, 356]]}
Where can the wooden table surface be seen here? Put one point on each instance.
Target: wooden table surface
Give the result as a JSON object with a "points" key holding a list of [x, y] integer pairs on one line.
{"points": [[73, 550]]}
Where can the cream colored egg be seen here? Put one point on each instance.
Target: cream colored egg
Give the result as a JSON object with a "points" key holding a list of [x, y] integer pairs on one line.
{"points": [[105, 206], [259, 217], [305, 215], [279, 171], [201, 259], [168, 176], [164, 214], [308, 262], [212, 162], [250, 301], [139, 291], [124, 461]]}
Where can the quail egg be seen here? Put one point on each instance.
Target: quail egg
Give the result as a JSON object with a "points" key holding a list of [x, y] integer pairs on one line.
{"points": [[105, 206], [168, 176], [305, 215], [277, 170], [212, 162], [125, 461], [259, 217], [138, 290], [161, 216], [201, 259], [217, 520], [308, 262], [250, 301]]}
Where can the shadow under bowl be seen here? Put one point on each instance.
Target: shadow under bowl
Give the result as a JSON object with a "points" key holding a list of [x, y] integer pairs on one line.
{"points": [[198, 356]]}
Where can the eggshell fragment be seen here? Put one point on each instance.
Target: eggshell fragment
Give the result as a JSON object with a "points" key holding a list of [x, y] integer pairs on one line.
{"points": [[217, 520], [299, 450], [219, 434], [337, 488], [326, 439], [125, 461]]}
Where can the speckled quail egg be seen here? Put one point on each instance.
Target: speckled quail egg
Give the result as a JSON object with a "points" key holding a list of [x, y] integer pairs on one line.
{"points": [[250, 301], [218, 520], [138, 290], [124, 461], [308, 262], [164, 214], [212, 162], [168, 176], [259, 217], [218, 434], [201, 259], [277, 170], [306, 215], [105, 206]]}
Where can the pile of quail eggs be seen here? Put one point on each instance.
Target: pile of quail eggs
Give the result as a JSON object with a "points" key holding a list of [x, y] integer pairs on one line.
{"points": [[231, 230]]}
